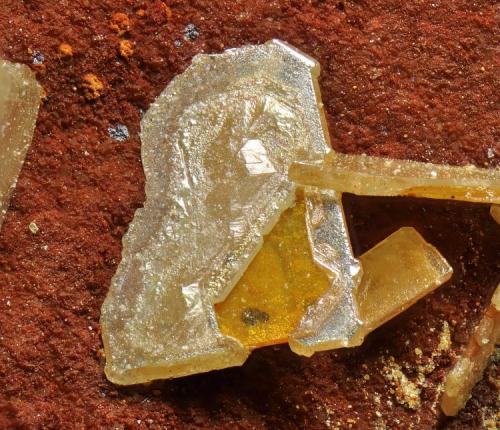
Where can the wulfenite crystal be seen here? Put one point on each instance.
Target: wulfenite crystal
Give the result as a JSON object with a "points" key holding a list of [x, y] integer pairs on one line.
{"points": [[216, 147], [468, 369], [20, 96], [375, 176]]}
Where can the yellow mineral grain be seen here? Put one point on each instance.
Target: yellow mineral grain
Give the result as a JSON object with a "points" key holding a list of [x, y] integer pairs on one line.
{"points": [[375, 176], [92, 86], [126, 48], [65, 50], [468, 369], [398, 271], [283, 279], [120, 23], [495, 213], [166, 9]]}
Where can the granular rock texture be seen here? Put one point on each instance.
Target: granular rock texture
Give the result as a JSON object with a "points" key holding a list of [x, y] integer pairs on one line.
{"points": [[405, 80]]}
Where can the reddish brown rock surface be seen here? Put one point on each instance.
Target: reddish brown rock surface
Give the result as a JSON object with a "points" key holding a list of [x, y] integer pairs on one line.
{"points": [[414, 81]]}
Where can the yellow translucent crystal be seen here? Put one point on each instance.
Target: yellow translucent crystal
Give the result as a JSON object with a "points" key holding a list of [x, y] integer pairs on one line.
{"points": [[270, 299], [20, 96], [468, 369], [375, 176], [216, 147], [495, 213], [398, 271], [274, 292]]}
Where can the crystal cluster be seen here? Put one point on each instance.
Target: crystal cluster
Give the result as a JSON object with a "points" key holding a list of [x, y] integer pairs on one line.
{"points": [[284, 280], [217, 145], [20, 96], [468, 369], [375, 176], [227, 255]]}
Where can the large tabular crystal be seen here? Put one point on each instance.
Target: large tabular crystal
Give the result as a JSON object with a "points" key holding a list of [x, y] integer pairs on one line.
{"points": [[20, 96], [217, 145], [375, 176]]}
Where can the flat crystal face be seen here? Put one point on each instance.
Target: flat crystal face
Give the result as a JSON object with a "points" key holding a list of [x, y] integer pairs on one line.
{"points": [[375, 176], [20, 96], [400, 270], [217, 144]]}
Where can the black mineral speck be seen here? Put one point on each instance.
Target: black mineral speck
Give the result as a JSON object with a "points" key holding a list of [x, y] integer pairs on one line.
{"points": [[119, 132], [254, 316], [191, 32]]}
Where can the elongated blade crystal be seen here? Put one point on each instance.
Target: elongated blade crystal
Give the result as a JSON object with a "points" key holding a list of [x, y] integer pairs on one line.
{"points": [[468, 369], [375, 176], [20, 96], [217, 145]]}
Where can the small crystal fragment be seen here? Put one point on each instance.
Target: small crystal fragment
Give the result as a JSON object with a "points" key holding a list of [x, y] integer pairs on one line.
{"points": [[191, 32], [375, 176], [119, 132], [20, 96], [495, 213], [468, 369], [37, 58], [217, 145], [33, 227]]}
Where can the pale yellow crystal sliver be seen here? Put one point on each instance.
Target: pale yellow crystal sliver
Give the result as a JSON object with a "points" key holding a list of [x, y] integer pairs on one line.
{"points": [[376, 176], [468, 369], [20, 96]]}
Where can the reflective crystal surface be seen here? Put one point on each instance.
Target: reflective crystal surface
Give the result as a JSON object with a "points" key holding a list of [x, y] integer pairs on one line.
{"points": [[333, 319], [468, 369], [217, 144], [20, 96], [375, 176]]}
